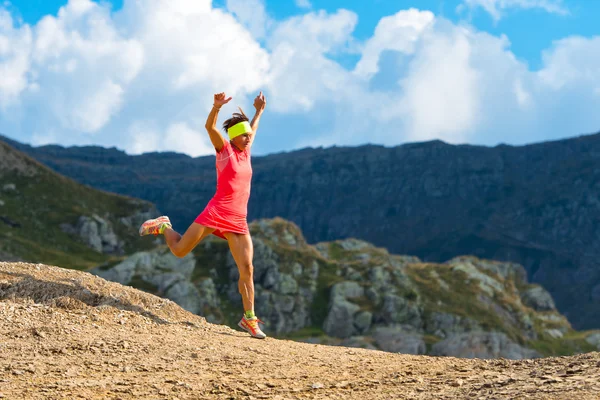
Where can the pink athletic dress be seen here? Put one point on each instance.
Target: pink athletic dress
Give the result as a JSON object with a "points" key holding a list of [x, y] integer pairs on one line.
{"points": [[227, 210]]}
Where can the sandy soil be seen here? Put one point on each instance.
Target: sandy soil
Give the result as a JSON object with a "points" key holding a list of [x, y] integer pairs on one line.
{"points": [[70, 335]]}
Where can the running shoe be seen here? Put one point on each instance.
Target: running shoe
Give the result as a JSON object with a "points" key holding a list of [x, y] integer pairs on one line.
{"points": [[153, 226], [251, 325]]}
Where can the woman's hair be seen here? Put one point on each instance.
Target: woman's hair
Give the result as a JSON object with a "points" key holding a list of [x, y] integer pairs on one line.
{"points": [[235, 119]]}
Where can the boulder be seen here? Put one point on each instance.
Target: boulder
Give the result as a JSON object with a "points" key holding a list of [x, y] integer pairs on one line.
{"points": [[397, 339], [538, 298], [97, 233], [482, 345]]}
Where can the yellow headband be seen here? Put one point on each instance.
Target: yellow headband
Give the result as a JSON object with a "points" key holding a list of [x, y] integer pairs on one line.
{"points": [[239, 129]]}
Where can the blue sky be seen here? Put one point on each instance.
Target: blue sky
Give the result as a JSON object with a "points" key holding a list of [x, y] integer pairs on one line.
{"points": [[335, 72], [530, 32]]}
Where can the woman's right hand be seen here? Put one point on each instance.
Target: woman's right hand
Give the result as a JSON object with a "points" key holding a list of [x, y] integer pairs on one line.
{"points": [[220, 99]]}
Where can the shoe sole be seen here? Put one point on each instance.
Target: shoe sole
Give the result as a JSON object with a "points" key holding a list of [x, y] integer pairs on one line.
{"points": [[140, 231], [248, 330]]}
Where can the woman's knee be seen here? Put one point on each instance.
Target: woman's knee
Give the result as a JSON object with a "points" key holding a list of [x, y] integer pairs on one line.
{"points": [[178, 252], [246, 271]]}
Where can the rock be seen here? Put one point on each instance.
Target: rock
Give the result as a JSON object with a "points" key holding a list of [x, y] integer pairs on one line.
{"points": [[281, 301], [287, 284], [398, 310], [154, 266], [297, 269], [538, 298], [362, 321], [505, 270], [445, 324], [347, 290], [340, 319], [379, 276], [482, 345], [97, 233], [187, 296], [358, 341], [162, 273], [486, 283], [354, 244], [594, 339], [373, 296], [554, 333], [9, 187], [395, 339], [137, 219]]}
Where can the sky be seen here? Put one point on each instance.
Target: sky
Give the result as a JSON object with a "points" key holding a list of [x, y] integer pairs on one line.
{"points": [[140, 75]]}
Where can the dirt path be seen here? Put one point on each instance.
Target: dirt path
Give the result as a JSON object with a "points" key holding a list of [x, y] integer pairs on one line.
{"points": [[70, 335]]}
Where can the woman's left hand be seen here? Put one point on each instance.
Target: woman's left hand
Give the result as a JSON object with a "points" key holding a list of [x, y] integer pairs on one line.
{"points": [[260, 102]]}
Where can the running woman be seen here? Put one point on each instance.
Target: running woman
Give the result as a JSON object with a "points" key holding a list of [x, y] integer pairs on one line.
{"points": [[225, 215]]}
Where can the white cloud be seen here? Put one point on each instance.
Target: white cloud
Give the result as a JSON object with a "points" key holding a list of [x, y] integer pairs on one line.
{"points": [[303, 4], [496, 7], [301, 73], [398, 32], [42, 139], [573, 61], [144, 137], [143, 79], [183, 139], [87, 71], [14, 59], [441, 90], [252, 14]]}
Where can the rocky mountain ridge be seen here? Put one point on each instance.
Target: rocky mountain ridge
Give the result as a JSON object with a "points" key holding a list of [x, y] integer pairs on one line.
{"points": [[352, 293], [534, 205]]}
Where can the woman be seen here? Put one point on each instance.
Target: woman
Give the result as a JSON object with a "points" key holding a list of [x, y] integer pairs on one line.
{"points": [[225, 214]]}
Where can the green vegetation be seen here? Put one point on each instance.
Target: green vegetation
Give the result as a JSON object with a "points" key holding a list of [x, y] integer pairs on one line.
{"points": [[572, 343], [32, 215], [460, 298], [35, 210]]}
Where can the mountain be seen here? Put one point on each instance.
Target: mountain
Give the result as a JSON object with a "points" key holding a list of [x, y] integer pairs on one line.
{"points": [[352, 293], [69, 334], [46, 217], [346, 292], [535, 205]]}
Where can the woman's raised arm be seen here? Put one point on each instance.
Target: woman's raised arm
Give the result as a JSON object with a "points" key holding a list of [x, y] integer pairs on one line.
{"points": [[211, 122], [260, 102]]}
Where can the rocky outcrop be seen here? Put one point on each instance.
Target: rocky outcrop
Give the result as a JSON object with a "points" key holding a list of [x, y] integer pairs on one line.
{"points": [[285, 286], [97, 233], [162, 273], [344, 319], [538, 299], [534, 205], [357, 295], [594, 340], [482, 345], [398, 339]]}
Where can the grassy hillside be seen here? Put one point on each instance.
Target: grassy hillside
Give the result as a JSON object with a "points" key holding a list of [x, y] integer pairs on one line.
{"points": [[35, 202]]}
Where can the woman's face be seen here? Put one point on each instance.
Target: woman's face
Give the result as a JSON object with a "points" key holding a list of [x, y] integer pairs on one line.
{"points": [[241, 141]]}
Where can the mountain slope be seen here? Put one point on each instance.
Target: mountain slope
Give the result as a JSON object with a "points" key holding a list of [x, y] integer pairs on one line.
{"points": [[47, 217], [534, 205], [351, 293], [69, 334]]}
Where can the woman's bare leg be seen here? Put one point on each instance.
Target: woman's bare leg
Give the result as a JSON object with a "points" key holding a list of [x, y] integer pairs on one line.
{"points": [[181, 245], [242, 251]]}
